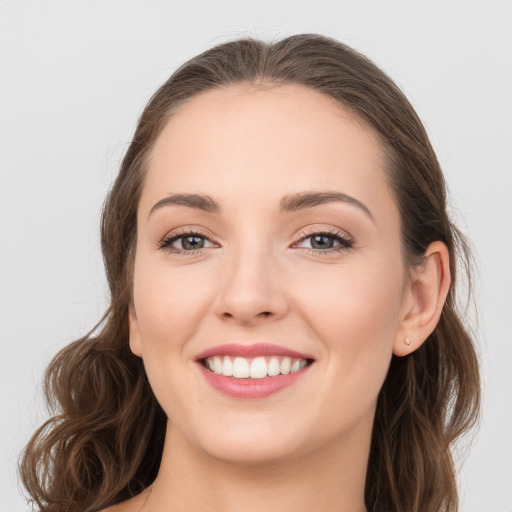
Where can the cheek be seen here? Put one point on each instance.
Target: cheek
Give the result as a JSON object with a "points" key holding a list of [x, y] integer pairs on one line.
{"points": [[356, 317], [167, 300], [352, 301], [169, 304]]}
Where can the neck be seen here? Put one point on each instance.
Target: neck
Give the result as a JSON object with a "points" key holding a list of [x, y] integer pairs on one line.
{"points": [[325, 480]]}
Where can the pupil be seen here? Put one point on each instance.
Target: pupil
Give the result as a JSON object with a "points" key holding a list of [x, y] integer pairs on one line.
{"points": [[192, 242], [322, 242]]}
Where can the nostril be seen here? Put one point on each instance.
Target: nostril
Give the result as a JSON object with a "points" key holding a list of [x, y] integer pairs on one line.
{"points": [[265, 313]]}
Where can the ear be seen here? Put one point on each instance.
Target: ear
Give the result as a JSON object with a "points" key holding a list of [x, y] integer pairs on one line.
{"points": [[133, 323], [427, 290]]}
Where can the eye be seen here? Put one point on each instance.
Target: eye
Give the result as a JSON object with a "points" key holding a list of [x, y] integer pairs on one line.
{"points": [[325, 242], [185, 242]]}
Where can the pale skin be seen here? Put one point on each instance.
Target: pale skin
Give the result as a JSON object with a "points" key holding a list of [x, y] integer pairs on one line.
{"points": [[257, 274]]}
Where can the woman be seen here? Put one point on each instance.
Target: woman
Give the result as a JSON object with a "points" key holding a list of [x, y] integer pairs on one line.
{"points": [[282, 330]]}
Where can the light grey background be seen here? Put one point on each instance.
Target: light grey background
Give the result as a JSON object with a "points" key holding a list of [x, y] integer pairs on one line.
{"points": [[75, 75]]}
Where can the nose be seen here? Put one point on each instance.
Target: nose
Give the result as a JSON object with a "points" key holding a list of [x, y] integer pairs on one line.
{"points": [[252, 290]]}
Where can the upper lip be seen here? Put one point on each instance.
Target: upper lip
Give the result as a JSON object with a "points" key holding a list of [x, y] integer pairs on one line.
{"points": [[250, 351]]}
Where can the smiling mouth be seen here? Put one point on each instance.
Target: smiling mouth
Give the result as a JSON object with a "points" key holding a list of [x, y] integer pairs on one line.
{"points": [[254, 368]]}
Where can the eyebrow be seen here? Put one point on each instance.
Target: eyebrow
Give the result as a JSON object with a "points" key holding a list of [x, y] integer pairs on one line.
{"points": [[294, 202], [199, 201], [289, 203]]}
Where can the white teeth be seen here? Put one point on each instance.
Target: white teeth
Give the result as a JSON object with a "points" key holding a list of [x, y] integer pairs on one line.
{"points": [[274, 367], [227, 367], [257, 368], [295, 366], [286, 365], [217, 365], [241, 368]]}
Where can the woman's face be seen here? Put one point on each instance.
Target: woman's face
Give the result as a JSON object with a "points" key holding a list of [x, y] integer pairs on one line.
{"points": [[267, 238]]}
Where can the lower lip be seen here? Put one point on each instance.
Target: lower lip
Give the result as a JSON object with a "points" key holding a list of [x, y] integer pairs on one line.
{"points": [[251, 388]]}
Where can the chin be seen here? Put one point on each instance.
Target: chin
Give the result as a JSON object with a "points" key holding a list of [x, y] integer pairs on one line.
{"points": [[250, 443], [248, 454]]}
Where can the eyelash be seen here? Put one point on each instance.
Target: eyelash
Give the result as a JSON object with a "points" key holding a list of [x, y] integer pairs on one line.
{"points": [[345, 242], [166, 243]]}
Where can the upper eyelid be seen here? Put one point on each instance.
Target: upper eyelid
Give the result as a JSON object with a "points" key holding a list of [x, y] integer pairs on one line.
{"points": [[306, 233], [324, 232], [189, 231]]}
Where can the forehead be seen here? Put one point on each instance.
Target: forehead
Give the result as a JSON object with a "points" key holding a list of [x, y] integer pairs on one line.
{"points": [[260, 142]]}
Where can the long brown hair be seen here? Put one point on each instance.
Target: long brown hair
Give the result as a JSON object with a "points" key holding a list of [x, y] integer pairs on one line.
{"points": [[104, 442]]}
